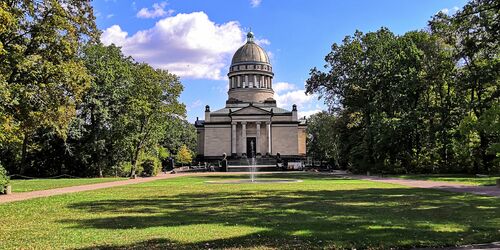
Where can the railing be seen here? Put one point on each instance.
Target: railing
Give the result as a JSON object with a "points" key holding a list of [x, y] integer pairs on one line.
{"points": [[246, 162]]}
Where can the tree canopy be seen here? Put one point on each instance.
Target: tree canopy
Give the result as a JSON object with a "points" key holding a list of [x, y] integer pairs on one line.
{"points": [[416, 102], [68, 104]]}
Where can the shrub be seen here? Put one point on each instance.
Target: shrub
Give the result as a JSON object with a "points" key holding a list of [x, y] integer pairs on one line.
{"points": [[4, 179], [150, 166], [124, 168], [163, 153]]}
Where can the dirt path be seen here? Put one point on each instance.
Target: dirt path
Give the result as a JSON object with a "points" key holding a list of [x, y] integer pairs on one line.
{"points": [[448, 186], [66, 190], [440, 185]]}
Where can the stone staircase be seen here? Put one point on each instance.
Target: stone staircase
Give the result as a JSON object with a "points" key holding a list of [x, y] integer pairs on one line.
{"points": [[245, 165]]}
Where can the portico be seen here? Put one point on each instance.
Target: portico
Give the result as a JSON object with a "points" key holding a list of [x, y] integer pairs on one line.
{"points": [[261, 134]]}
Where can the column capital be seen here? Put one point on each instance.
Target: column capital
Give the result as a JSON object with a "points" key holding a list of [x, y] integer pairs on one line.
{"points": [[268, 122], [234, 123], [243, 123], [258, 123]]}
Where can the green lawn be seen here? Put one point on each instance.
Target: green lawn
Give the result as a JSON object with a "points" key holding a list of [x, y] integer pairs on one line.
{"points": [[43, 184], [458, 178], [186, 213]]}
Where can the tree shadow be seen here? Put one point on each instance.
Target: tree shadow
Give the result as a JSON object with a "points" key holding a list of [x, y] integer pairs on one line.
{"points": [[306, 219]]}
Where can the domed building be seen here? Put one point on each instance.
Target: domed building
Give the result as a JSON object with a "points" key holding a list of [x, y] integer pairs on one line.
{"points": [[251, 125]]}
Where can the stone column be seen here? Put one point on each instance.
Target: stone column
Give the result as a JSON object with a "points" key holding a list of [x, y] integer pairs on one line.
{"points": [[233, 138], [268, 128], [257, 140], [255, 81], [246, 83], [244, 137]]}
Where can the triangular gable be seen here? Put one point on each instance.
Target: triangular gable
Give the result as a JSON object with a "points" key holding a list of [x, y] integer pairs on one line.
{"points": [[251, 110]]}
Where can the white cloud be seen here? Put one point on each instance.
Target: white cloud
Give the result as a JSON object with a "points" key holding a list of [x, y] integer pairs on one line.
{"points": [[307, 113], [287, 99], [158, 10], [287, 94], [255, 3], [114, 34], [110, 16], [279, 87], [189, 45]]}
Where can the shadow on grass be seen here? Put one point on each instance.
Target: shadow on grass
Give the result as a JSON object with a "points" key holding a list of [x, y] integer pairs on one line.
{"points": [[375, 218]]}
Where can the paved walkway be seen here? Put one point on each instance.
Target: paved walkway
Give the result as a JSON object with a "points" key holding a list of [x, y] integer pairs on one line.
{"points": [[440, 185], [448, 186], [66, 190]]}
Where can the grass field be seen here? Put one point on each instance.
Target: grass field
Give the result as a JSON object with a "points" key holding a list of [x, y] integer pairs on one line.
{"points": [[458, 178], [43, 184], [186, 213]]}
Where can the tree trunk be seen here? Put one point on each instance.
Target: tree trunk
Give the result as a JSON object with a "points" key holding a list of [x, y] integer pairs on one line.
{"points": [[24, 152], [134, 162], [486, 159]]}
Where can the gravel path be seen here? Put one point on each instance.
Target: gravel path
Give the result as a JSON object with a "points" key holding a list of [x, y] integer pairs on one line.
{"points": [[448, 186], [66, 190], [440, 185]]}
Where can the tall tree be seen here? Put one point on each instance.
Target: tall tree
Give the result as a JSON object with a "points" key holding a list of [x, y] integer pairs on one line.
{"points": [[39, 44], [474, 33], [152, 104]]}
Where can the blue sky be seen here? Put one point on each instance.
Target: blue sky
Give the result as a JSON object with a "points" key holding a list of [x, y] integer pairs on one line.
{"points": [[196, 39]]}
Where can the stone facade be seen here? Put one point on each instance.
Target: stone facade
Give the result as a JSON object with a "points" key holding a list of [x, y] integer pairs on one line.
{"points": [[251, 124]]}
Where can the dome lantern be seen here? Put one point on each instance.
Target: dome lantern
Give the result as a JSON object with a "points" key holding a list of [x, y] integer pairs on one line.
{"points": [[250, 37]]}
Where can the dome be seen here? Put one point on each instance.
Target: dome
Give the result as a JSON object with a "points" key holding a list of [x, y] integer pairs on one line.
{"points": [[250, 52]]}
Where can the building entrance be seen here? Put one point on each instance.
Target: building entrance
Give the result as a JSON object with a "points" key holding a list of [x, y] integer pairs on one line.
{"points": [[251, 147]]}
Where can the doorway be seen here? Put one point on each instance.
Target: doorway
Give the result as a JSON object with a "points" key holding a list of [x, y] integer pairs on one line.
{"points": [[251, 147]]}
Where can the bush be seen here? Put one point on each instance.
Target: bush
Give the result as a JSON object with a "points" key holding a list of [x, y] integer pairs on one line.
{"points": [[4, 179], [124, 168], [150, 166]]}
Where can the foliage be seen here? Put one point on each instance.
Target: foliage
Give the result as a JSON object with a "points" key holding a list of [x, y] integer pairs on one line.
{"points": [[179, 132], [416, 102], [4, 179], [128, 110], [154, 102], [41, 78], [322, 212], [323, 141], [163, 153], [184, 155], [150, 166]]}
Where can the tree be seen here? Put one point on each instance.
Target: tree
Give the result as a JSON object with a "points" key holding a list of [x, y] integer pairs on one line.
{"points": [[95, 130], [323, 143], [39, 44], [184, 155], [179, 132], [419, 102], [153, 102], [473, 34]]}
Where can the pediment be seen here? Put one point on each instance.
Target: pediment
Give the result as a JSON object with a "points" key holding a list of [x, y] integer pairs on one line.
{"points": [[251, 110]]}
